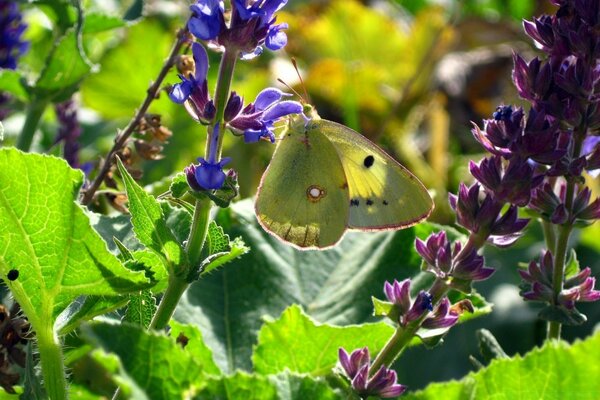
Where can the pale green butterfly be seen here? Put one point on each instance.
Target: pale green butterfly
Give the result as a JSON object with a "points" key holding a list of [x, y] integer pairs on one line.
{"points": [[325, 178]]}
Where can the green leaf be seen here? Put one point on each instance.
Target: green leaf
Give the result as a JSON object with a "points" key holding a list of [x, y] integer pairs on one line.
{"points": [[285, 386], [219, 249], [85, 309], [11, 82], [48, 239], [190, 338], [572, 265], [153, 363], [179, 186], [141, 309], [153, 264], [149, 223], [488, 346], [65, 67], [239, 386], [334, 286], [556, 371], [297, 343], [96, 22]]}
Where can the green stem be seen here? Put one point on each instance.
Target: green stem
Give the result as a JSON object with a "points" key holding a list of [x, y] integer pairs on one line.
{"points": [[564, 232], [53, 368], [549, 236], [178, 283], [35, 110], [222, 94], [175, 289]]}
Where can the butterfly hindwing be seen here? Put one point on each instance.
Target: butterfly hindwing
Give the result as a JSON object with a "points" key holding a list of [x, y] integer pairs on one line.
{"points": [[383, 194], [303, 194]]}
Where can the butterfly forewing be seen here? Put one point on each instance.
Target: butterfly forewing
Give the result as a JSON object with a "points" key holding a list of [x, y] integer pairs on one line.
{"points": [[383, 194], [303, 194]]}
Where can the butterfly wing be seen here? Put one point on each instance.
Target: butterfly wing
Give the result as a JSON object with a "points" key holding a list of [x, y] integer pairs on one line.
{"points": [[303, 195], [383, 194]]}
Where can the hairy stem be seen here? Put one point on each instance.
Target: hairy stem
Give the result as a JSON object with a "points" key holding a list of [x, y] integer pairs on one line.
{"points": [[52, 361], [35, 110], [122, 136]]}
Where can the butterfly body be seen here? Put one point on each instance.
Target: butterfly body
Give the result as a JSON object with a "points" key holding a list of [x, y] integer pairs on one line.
{"points": [[325, 178]]}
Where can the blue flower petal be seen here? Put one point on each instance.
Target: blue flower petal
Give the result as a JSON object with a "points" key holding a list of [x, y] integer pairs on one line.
{"points": [[253, 135], [267, 97], [247, 13], [282, 109], [181, 91], [200, 61], [209, 176], [276, 39], [270, 7], [207, 22]]}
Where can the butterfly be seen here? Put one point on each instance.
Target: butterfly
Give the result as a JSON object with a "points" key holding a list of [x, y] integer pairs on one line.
{"points": [[325, 178]]}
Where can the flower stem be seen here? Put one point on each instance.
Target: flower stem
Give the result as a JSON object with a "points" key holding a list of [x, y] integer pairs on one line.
{"points": [[564, 232], [222, 95], [53, 368], [35, 110], [178, 283]]}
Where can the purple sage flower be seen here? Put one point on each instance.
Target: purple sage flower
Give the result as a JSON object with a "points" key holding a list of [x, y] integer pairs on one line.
{"points": [[252, 25], [537, 285], [257, 120], [356, 367], [192, 92], [208, 174]]}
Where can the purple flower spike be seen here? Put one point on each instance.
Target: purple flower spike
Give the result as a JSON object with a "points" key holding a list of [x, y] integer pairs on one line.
{"points": [[207, 20], [356, 367], [12, 45]]}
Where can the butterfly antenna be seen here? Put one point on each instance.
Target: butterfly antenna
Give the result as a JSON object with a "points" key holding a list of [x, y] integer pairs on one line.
{"points": [[303, 100], [306, 96]]}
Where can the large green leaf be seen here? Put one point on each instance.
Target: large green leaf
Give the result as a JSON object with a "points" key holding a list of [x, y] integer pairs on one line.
{"points": [[296, 343], [334, 286], [47, 238], [150, 364], [285, 386], [557, 371]]}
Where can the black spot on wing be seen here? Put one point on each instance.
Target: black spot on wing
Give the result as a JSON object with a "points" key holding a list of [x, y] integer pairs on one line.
{"points": [[385, 203], [369, 161], [12, 275], [369, 202], [354, 202]]}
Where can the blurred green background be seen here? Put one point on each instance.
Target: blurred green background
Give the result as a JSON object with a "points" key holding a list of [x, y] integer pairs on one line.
{"points": [[408, 74]]}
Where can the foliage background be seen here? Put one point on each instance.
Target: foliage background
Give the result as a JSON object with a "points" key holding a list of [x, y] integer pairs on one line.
{"points": [[408, 74]]}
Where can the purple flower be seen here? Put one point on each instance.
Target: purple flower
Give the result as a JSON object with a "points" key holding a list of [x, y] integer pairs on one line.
{"points": [[442, 317], [551, 206], [446, 263], [12, 46], [356, 367], [257, 120], [193, 89], [537, 285], [484, 218], [207, 21], [69, 131], [512, 183], [252, 25], [407, 311], [208, 175]]}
